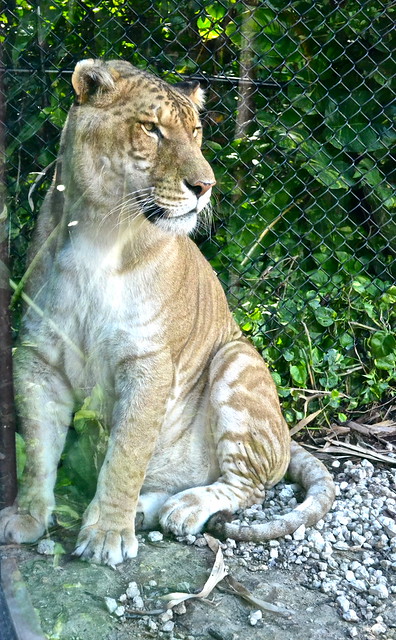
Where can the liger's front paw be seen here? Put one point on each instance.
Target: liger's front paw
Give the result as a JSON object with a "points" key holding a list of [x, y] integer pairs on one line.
{"points": [[18, 525], [103, 546]]}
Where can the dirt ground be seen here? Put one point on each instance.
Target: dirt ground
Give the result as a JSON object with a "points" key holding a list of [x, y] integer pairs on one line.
{"points": [[68, 596]]}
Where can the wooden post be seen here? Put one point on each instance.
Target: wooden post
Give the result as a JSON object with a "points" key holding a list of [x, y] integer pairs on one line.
{"points": [[8, 484]]}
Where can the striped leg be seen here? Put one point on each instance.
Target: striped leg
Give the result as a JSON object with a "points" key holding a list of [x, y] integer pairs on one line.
{"points": [[249, 433]]}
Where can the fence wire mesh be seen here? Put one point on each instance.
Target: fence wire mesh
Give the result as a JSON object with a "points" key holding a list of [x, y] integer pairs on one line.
{"points": [[299, 127]]}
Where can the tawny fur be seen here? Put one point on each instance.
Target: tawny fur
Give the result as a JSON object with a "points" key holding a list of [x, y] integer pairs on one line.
{"points": [[122, 299]]}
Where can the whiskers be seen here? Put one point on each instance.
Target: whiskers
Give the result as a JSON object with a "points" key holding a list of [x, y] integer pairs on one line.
{"points": [[204, 222], [129, 207], [141, 205]]}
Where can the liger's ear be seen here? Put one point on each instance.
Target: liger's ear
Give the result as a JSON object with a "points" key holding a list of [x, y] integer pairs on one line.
{"points": [[91, 76], [193, 90]]}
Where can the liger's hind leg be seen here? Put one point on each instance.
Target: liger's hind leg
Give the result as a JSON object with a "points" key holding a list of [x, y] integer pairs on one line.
{"points": [[250, 435]]}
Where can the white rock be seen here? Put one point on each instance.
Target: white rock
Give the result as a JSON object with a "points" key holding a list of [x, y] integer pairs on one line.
{"points": [[254, 617], [359, 585], [362, 573], [380, 591], [180, 609], [350, 616], [368, 560], [138, 602], [168, 626], [317, 540], [111, 604], [344, 603], [119, 611], [357, 539], [330, 586], [151, 625], [167, 615], [339, 517], [340, 545], [155, 536], [286, 492], [46, 547], [201, 542], [299, 533], [132, 590], [389, 525], [378, 629]]}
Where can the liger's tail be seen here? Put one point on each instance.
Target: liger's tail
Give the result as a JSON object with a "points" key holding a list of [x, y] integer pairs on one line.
{"points": [[313, 476]]}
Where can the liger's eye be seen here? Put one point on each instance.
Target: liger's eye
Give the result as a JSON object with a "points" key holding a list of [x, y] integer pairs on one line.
{"points": [[151, 129], [196, 131]]}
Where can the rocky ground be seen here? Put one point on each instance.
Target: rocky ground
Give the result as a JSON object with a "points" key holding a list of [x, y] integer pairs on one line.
{"points": [[350, 555], [337, 579]]}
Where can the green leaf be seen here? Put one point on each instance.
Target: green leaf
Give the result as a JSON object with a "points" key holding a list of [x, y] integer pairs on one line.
{"points": [[329, 380], [347, 341], [325, 316], [208, 28], [20, 455], [299, 373], [215, 146], [85, 414], [382, 344], [66, 515], [276, 378], [387, 363], [216, 11], [354, 120]]}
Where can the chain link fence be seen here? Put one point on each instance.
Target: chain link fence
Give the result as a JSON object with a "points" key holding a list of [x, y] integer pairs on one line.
{"points": [[299, 127]]}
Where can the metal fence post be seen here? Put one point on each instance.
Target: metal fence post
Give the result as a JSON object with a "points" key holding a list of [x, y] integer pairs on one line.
{"points": [[7, 415]]}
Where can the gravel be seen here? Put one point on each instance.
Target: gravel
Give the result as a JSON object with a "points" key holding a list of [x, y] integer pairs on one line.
{"points": [[350, 555]]}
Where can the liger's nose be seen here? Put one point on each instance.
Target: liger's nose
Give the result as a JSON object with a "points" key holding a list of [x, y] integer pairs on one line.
{"points": [[199, 187]]}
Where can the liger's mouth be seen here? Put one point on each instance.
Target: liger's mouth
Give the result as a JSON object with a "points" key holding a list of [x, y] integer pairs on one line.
{"points": [[153, 212]]}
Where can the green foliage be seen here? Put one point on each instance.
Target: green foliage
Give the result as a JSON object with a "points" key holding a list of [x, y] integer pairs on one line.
{"points": [[346, 350], [304, 233], [86, 446]]}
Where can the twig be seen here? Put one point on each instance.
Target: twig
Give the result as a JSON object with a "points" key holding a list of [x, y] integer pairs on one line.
{"points": [[363, 326], [303, 423], [18, 288], [218, 573], [264, 233], [236, 588], [310, 363], [345, 447]]}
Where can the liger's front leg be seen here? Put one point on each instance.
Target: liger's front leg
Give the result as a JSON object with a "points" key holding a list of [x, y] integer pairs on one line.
{"points": [[45, 405], [142, 389]]}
